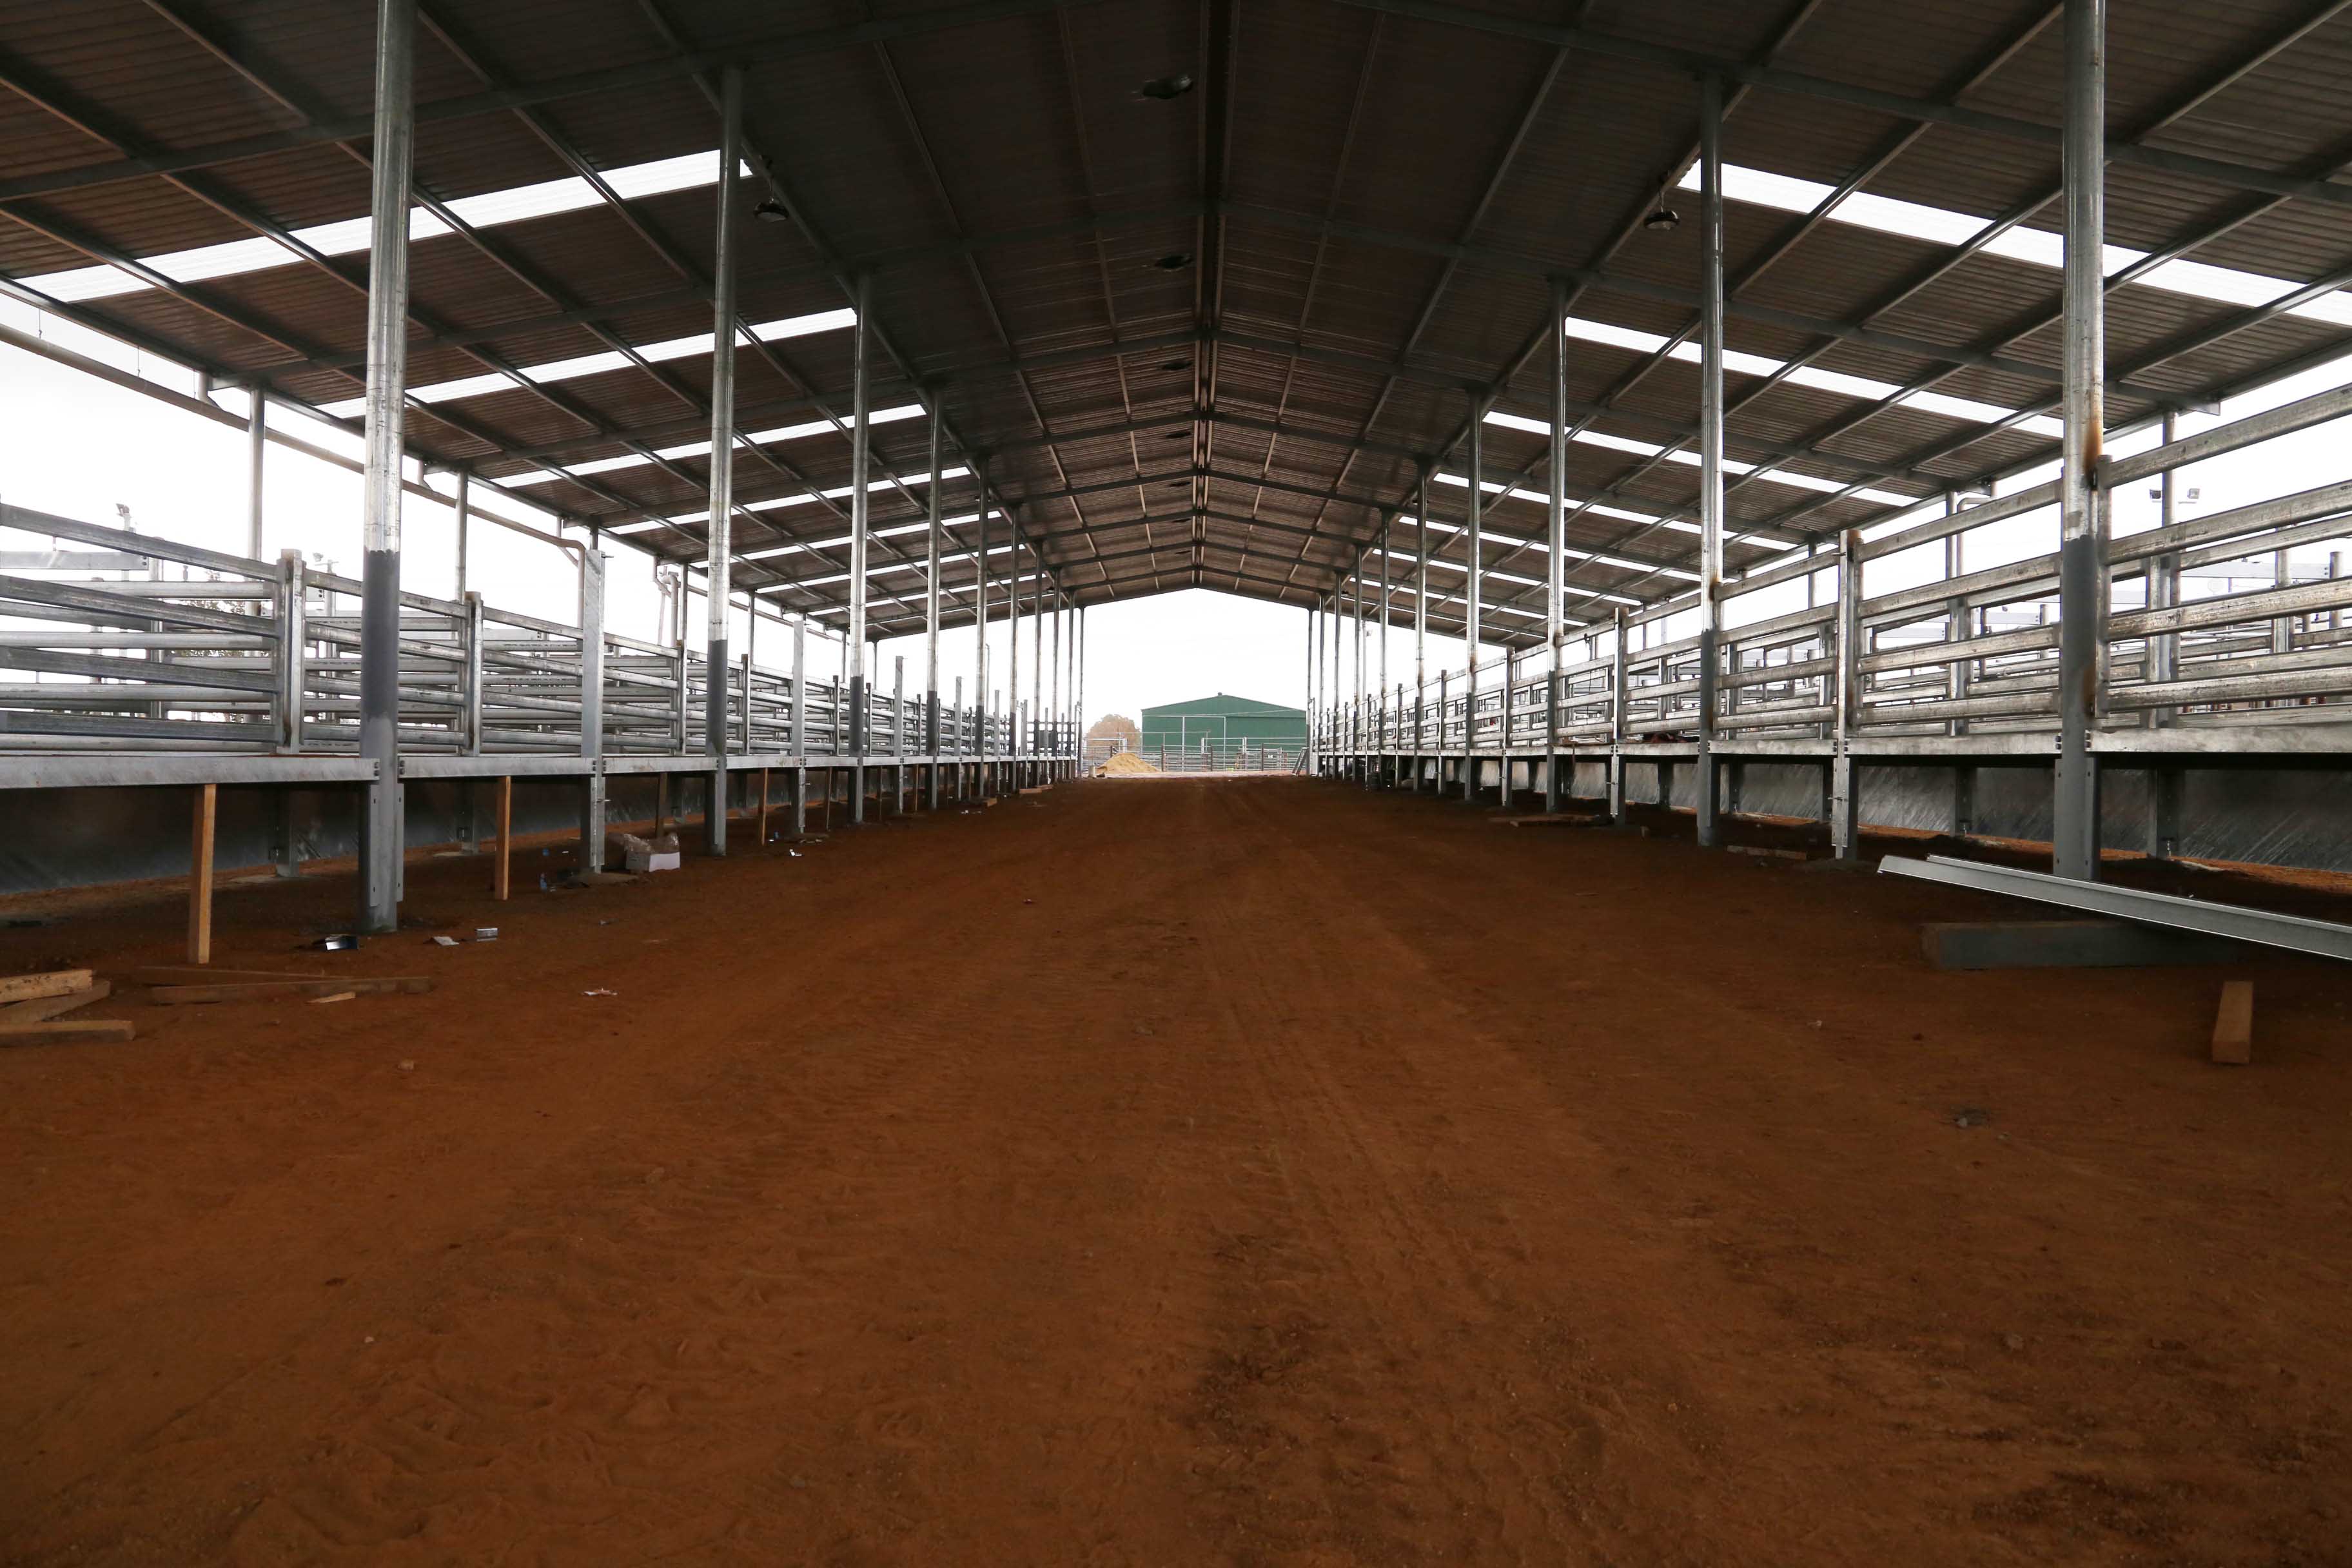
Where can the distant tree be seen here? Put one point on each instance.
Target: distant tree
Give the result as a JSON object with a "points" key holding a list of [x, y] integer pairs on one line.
{"points": [[1119, 729]]}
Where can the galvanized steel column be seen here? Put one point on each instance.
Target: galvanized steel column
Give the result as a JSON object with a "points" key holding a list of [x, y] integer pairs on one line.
{"points": [[2081, 526], [1037, 650], [979, 625], [2160, 662], [718, 555], [256, 446], [592, 708], [1556, 536], [860, 434], [1359, 731], [1420, 615], [1709, 783], [1385, 745], [1013, 666], [798, 740], [1315, 742], [393, 151], [1845, 793], [463, 507], [1617, 685], [1471, 597], [931, 629], [1054, 707], [1957, 627]]}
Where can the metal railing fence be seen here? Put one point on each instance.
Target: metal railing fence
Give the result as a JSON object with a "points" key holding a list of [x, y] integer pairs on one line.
{"points": [[115, 641]]}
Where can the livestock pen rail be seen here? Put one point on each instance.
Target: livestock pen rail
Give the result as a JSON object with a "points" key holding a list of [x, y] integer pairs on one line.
{"points": [[1206, 755], [1957, 671], [134, 659]]}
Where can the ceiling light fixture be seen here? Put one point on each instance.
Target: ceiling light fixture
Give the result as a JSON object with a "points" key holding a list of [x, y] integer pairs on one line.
{"points": [[771, 211], [1174, 261], [1662, 217], [1164, 88], [1177, 364]]}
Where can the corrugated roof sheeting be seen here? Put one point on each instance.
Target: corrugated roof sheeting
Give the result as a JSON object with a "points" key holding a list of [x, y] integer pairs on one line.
{"points": [[1083, 362]]}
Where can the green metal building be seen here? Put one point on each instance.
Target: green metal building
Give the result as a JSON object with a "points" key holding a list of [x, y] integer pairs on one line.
{"points": [[1223, 726]]}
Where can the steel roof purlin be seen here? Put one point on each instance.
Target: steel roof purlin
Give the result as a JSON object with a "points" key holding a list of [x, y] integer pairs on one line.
{"points": [[1205, 291]]}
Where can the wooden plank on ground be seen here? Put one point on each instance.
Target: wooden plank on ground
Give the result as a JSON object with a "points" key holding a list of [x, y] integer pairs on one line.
{"points": [[189, 974], [500, 872], [257, 990], [42, 1009], [56, 983], [67, 1031], [2233, 1027]]}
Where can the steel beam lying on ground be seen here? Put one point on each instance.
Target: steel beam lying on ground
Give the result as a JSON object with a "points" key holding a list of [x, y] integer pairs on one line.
{"points": [[2321, 938], [2067, 944]]}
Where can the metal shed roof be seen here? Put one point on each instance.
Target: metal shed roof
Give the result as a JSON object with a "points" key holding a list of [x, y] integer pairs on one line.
{"points": [[1207, 340], [1225, 703]]}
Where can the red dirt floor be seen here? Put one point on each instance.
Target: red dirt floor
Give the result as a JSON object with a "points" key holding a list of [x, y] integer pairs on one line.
{"points": [[1255, 1172]]}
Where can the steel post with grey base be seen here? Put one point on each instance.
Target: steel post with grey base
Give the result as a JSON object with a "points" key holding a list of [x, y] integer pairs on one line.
{"points": [[1472, 593], [2162, 656], [1845, 796], [591, 709], [1707, 777], [1007, 776], [798, 742], [860, 453], [980, 781], [1556, 537], [1617, 726], [293, 593], [2081, 526], [393, 151], [932, 629], [897, 736], [719, 556]]}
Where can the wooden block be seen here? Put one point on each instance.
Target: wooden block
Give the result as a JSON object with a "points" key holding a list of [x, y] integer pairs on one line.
{"points": [[500, 875], [189, 974], [2233, 1029], [255, 990], [66, 1032], [200, 875], [47, 1007], [56, 983]]}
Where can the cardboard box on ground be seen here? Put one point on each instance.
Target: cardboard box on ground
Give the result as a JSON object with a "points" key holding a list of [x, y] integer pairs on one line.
{"points": [[641, 855]]}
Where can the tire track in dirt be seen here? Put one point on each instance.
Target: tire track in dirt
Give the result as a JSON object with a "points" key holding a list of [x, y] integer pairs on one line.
{"points": [[1459, 1428], [1139, 1175]]}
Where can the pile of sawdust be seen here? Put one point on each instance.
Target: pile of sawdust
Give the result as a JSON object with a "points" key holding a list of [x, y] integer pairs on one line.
{"points": [[1124, 765]]}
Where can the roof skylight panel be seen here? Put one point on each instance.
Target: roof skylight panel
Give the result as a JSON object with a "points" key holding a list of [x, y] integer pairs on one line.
{"points": [[348, 237]]}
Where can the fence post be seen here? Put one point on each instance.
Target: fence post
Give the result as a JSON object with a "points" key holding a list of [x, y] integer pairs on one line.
{"points": [[293, 675], [591, 709], [1843, 803], [1617, 684]]}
